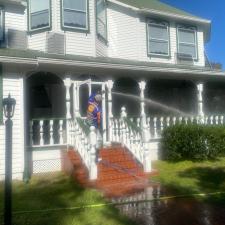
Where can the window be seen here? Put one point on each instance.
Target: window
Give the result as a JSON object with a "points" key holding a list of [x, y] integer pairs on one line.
{"points": [[2, 26], [74, 14], [39, 14], [101, 19], [187, 41], [158, 38]]}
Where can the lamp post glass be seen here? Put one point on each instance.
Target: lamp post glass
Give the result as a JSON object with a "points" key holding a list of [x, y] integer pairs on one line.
{"points": [[8, 108]]}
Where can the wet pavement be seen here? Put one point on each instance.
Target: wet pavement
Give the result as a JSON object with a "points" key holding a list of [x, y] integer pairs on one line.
{"points": [[178, 211]]}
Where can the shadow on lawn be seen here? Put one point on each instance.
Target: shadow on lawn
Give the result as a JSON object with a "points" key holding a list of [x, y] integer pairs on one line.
{"points": [[58, 191], [208, 180]]}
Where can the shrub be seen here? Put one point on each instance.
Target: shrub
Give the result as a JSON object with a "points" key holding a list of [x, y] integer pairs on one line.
{"points": [[193, 142]]}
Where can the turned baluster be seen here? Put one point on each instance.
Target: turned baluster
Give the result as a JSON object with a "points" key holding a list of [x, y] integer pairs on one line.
{"points": [[161, 124], [217, 120], [168, 121], [180, 120], [61, 131], [221, 119], [211, 120], [155, 127], [174, 120], [41, 132], [206, 120], [51, 132]]}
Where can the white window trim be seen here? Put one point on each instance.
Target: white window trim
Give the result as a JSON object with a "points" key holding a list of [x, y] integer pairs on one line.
{"points": [[2, 25], [185, 28], [49, 18], [98, 20], [158, 24], [75, 10]]}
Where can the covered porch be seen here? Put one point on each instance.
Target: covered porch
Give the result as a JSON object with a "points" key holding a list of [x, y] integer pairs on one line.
{"points": [[137, 105]]}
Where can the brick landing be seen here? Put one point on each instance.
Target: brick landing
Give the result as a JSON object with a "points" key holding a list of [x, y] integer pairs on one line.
{"points": [[118, 172]]}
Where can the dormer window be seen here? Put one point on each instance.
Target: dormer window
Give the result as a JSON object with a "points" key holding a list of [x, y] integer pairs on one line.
{"points": [[158, 38], [39, 15], [2, 26], [101, 19], [187, 41], [75, 14]]}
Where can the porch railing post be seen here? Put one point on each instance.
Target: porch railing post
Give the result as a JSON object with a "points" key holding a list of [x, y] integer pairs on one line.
{"points": [[110, 115], [200, 88], [142, 86], [93, 143]]}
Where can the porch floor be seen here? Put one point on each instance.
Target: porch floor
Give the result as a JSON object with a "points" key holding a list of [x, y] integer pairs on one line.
{"points": [[119, 173]]}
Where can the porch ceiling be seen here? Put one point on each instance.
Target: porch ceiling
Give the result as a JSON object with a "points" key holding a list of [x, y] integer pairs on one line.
{"points": [[106, 66]]}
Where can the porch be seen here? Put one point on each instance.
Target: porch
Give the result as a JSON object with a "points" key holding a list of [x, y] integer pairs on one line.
{"points": [[135, 124]]}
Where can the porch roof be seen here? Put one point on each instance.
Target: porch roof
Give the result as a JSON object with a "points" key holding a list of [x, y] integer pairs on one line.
{"points": [[16, 56]]}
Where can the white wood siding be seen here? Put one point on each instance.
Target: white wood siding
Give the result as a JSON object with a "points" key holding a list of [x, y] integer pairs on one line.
{"points": [[13, 84], [101, 48], [15, 18], [128, 37]]}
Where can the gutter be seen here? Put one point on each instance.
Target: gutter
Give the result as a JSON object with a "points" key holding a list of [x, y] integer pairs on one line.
{"points": [[176, 16], [107, 65], [17, 60]]}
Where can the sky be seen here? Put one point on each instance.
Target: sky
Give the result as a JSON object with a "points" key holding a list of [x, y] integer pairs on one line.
{"points": [[213, 10]]}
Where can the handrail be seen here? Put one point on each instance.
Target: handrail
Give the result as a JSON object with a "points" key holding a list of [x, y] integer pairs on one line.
{"points": [[83, 139]]}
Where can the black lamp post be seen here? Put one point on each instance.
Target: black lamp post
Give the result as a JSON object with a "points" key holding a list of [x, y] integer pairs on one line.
{"points": [[8, 108]]}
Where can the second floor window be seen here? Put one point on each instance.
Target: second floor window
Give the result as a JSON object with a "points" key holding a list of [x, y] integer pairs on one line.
{"points": [[39, 14], [101, 19], [158, 38], [187, 41], [74, 14]]}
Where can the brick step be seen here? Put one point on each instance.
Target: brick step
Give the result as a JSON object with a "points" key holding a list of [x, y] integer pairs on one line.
{"points": [[118, 171]]}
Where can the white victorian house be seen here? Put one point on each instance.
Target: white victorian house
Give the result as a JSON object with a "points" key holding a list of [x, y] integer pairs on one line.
{"points": [[55, 53]]}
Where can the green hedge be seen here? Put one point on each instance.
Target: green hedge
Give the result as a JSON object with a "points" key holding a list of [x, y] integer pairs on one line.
{"points": [[193, 142]]}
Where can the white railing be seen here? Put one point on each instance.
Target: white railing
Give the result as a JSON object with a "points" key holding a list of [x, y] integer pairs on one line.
{"points": [[156, 125], [124, 133], [47, 132], [84, 140], [137, 133]]}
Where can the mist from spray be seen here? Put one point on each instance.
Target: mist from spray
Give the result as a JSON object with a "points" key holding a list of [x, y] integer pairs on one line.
{"points": [[152, 102]]}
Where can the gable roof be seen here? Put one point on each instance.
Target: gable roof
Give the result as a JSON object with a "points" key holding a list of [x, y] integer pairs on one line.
{"points": [[156, 5], [157, 8]]}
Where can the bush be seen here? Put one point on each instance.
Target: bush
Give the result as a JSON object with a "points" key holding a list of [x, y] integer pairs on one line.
{"points": [[193, 142]]}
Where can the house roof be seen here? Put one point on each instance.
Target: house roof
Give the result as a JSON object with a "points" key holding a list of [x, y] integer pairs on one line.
{"points": [[157, 5]]}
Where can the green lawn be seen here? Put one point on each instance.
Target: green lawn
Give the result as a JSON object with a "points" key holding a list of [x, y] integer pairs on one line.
{"points": [[59, 191], [189, 177]]}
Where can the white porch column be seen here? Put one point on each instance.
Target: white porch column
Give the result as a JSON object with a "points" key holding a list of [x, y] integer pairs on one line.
{"points": [[67, 83], [200, 88], [142, 86], [104, 113], [75, 99], [110, 115]]}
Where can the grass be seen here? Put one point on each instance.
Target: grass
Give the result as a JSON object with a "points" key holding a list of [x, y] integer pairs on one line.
{"points": [[189, 177], [58, 191]]}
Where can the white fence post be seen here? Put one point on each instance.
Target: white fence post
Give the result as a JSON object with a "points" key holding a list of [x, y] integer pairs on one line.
{"points": [[93, 141]]}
